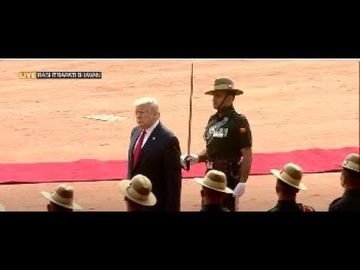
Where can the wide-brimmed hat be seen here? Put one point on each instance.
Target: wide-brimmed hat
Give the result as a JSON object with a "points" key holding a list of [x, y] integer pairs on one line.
{"points": [[2, 208], [63, 196], [291, 174], [215, 180], [351, 162], [224, 84], [138, 189]]}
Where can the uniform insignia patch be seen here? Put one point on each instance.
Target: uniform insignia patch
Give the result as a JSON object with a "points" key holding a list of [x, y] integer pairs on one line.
{"points": [[242, 130]]}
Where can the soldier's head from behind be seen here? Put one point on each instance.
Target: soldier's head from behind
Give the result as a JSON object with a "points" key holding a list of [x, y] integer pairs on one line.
{"points": [[146, 112], [214, 187], [350, 173], [137, 192], [288, 181], [223, 93], [61, 200]]}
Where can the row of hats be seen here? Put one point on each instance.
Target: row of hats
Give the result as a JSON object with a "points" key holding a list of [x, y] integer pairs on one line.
{"points": [[138, 189], [291, 174]]}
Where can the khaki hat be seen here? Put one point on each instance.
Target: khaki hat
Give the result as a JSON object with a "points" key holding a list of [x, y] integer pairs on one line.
{"points": [[2, 208], [351, 162], [291, 174], [224, 84], [215, 180], [138, 189], [63, 196]]}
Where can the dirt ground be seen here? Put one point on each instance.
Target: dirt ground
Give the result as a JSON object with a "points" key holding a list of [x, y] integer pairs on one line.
{"points": [[290, 104]]}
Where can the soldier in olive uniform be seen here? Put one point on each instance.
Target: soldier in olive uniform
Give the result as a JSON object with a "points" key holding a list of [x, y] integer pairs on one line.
{"points": [[350, 181], [228, 139]]}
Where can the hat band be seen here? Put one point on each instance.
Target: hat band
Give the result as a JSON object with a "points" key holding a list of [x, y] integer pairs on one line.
{"points": [[136, 195], [223, 86], [212, 183], [66, 201], [290, 179], [351, 165]]}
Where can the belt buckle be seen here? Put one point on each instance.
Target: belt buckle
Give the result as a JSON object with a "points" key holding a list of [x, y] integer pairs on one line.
{"points": [[209, 165]]}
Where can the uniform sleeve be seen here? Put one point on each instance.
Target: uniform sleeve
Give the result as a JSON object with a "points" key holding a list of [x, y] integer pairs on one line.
{"points": [[245, 132]]}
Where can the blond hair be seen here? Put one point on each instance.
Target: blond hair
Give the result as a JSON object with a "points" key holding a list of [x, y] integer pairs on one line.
{"points": [[150, 101]]}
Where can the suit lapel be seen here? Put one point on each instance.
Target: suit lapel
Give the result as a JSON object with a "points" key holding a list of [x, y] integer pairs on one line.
{"points": [[148, 146], [132, 144], [134, 138]]}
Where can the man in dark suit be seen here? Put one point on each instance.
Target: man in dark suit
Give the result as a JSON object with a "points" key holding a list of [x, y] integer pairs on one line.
{"points": [[154, 151]]}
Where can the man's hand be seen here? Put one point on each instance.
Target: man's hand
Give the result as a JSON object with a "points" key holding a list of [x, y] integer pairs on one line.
{"points": [[187, 160]]}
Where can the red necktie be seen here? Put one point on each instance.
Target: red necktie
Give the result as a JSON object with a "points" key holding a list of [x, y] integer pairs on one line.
{"points": [[137, 150]]}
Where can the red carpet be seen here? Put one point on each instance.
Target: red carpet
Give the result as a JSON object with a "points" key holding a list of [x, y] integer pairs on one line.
{"points": [[311, 160]]}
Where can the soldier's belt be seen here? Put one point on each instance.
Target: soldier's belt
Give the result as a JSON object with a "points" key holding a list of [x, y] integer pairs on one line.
{"points": [[222, 165]]}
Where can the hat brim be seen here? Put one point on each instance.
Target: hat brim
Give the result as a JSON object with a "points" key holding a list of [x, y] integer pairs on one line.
{"points": [[276, 173], [47, 195], [235, 92], [346, 167], [201, 182], [124, 184]]}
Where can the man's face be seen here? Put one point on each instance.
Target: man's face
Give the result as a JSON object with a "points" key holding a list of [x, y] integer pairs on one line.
{"points": [[342, 179], [218, 98], [277, 187], [145, 116], [49, 207]]}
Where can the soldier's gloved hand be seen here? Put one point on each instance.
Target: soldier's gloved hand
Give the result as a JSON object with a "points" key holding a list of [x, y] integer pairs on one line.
{"points": [[239, 190], [187, 160], [192, 158]]}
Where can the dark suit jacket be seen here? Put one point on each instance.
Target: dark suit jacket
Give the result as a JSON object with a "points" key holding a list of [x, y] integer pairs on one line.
{"points": [[160, 162]]}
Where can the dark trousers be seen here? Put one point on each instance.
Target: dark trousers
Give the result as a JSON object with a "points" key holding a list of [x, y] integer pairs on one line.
{"points": [[229, 201]]}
